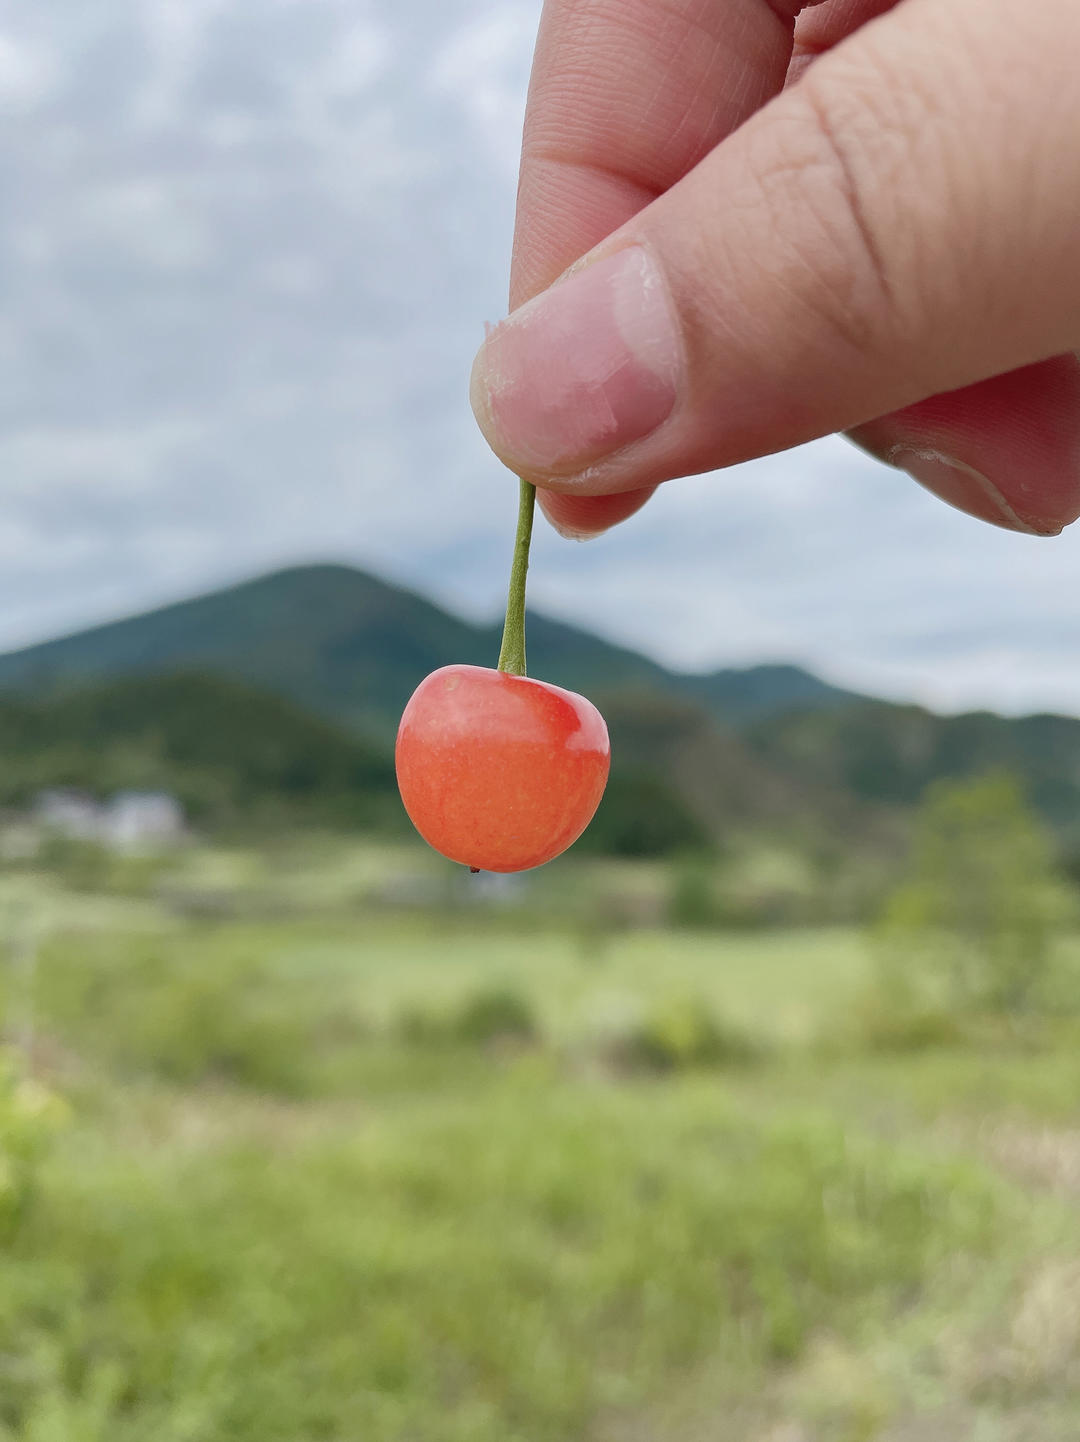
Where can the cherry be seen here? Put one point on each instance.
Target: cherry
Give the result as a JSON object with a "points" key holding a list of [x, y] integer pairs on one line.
{"points": [[500, 772], [496, 770]]}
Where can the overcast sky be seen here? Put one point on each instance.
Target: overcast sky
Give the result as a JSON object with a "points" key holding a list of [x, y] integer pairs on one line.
{"points": [[247, 248]]}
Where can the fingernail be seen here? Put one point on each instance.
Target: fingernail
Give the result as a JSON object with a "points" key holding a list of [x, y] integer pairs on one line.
{"points": [[962, 486], [581, 371], [572, 533], [562, 514]]}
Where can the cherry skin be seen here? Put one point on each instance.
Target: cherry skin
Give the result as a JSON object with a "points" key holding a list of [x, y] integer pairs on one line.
{"points": [[500, 772]]}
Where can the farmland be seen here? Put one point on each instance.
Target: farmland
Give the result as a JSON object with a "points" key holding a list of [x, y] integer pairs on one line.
{"points": [[295, 1169]]}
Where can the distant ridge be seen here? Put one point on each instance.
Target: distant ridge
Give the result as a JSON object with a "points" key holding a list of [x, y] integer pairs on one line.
{"points": [[348, 645], [245, 698]]}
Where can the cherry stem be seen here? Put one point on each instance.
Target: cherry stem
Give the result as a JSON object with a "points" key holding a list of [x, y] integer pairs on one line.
{"points": [[512, 655]]}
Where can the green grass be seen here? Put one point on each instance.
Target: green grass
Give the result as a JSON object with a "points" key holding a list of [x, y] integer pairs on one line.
{"points": [[367, 1177], [783, 984], [528, 1265]]}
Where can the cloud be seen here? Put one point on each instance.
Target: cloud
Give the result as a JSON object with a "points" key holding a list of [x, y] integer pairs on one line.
{"points": [[27, 75], [246, 262], [483, 68]]}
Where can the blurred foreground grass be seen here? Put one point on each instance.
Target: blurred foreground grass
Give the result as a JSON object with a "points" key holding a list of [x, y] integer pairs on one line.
{"points": [[344, 1172]]}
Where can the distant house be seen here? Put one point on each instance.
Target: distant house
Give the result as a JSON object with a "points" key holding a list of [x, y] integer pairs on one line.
{"points": [[128, 821], [74, 815], [138, 820]]}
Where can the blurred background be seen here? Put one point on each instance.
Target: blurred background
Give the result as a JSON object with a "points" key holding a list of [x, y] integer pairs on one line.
{"points": [[756, 1117]]}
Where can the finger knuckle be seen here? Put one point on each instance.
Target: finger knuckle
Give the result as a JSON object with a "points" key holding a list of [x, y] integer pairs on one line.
{"points": [[829, 184]]}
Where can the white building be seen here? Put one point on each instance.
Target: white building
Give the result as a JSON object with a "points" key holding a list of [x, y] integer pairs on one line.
{"points": [[71, 814], [142, 820], [128, 821]]}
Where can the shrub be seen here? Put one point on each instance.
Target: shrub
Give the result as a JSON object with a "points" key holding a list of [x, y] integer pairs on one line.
{"points": [[683, 1033], [905, 1028], [642, 815], [501, 1014], [29, 1116], [976, 922], [420, 1026], [693, 900], [490, 1017]]}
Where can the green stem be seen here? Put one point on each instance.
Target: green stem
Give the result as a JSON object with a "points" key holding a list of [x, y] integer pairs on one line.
{"points": [[512, 655]]}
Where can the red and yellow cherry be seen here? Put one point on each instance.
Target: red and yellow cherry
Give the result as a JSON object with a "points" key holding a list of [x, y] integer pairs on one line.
{"points": [[500, 772]]}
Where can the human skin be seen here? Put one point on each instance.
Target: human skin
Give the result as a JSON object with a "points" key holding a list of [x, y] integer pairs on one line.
{"points": [[786, 221]]}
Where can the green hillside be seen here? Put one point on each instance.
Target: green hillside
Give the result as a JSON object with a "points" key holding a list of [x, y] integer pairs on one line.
{"points": [[887, 755], [236, 756], [283, 693], [341, 642], [229, 752], [729, 786]]}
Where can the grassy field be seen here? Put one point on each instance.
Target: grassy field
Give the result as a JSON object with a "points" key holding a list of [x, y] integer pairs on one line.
{"points": [[337, 1172]]}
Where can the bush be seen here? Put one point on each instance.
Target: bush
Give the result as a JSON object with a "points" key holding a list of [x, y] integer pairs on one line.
{"points": [[887, 1027], [976, 923], [498, 1015], [29, 1117], [491, 1017], [419, 1026], [693, 900], [681, 1034], [642, 815]]}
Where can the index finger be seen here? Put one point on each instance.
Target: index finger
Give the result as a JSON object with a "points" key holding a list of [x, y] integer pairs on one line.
{"points": [[626, 97]]}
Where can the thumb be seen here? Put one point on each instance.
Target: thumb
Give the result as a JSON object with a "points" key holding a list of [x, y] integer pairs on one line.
{"points": [[900, 223]]}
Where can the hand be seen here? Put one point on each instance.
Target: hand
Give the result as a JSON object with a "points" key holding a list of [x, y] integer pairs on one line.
{"points": [[865, 219]]}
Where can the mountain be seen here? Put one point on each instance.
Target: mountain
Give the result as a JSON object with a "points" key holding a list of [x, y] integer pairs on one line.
{"points": [[343, 643], [279, 697], [228, 752], [727, 785], [887, 755], [239, 757], [280, 689], [741, 696]]}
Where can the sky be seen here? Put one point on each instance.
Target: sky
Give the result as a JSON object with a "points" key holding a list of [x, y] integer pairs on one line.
{"points": [[247, 250]]}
